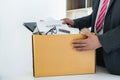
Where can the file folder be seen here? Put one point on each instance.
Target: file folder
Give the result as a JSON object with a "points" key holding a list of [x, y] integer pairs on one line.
{"points": [[30, 25]]}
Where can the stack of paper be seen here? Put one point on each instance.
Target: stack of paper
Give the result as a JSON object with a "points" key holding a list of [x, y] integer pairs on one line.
{"points": [[45, 26]]}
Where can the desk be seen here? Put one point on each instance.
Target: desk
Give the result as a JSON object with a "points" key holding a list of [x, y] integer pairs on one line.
{"points": [[101, 74]]}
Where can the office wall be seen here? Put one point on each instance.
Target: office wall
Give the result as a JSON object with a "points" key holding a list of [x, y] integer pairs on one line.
{"points": [[15, 39]]}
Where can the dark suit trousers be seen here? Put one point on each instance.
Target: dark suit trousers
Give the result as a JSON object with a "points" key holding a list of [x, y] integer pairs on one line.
{"points": [[99, 57]]}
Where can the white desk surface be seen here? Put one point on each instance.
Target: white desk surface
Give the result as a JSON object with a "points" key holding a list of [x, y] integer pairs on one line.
{"points": [[101, 74]]}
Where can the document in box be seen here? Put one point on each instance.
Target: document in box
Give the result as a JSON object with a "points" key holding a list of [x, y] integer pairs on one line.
{"points": [[45, 26]]}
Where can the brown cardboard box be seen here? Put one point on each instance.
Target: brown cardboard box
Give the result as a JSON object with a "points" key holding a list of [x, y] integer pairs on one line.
{"points": [[53, 55]]}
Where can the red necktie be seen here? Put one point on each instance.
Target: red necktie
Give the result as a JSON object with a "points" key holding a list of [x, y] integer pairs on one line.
{"points": [[101, 16]]}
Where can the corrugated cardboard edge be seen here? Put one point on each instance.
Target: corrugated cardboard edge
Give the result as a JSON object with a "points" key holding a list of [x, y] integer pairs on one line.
{"points": [[33, 56]]}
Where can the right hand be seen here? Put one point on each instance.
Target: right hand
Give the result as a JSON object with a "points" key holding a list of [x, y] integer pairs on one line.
{"points": [[68, 21]]}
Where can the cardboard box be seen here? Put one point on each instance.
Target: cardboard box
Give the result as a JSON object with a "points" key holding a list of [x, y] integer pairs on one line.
{"points": [[53, 55]]}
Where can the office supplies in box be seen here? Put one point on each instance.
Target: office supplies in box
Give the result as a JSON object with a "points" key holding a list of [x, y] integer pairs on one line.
{"points": [[43, 27], [61, 28]]}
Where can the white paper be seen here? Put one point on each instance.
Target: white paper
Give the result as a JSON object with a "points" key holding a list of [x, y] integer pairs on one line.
{"points": [[45, 26]]}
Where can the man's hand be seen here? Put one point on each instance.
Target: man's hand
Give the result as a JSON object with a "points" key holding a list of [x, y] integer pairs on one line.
{"points": [[68, 21], [91, 43]]}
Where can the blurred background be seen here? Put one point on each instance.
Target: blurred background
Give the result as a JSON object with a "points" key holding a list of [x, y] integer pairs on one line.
{"points": [[15, 39]]}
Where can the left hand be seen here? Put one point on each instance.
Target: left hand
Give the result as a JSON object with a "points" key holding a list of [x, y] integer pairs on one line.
{"points": [[91, 43]]}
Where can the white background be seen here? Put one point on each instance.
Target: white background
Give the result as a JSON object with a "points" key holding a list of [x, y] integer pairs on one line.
{"points": [[16, 43], [15, 39]]}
